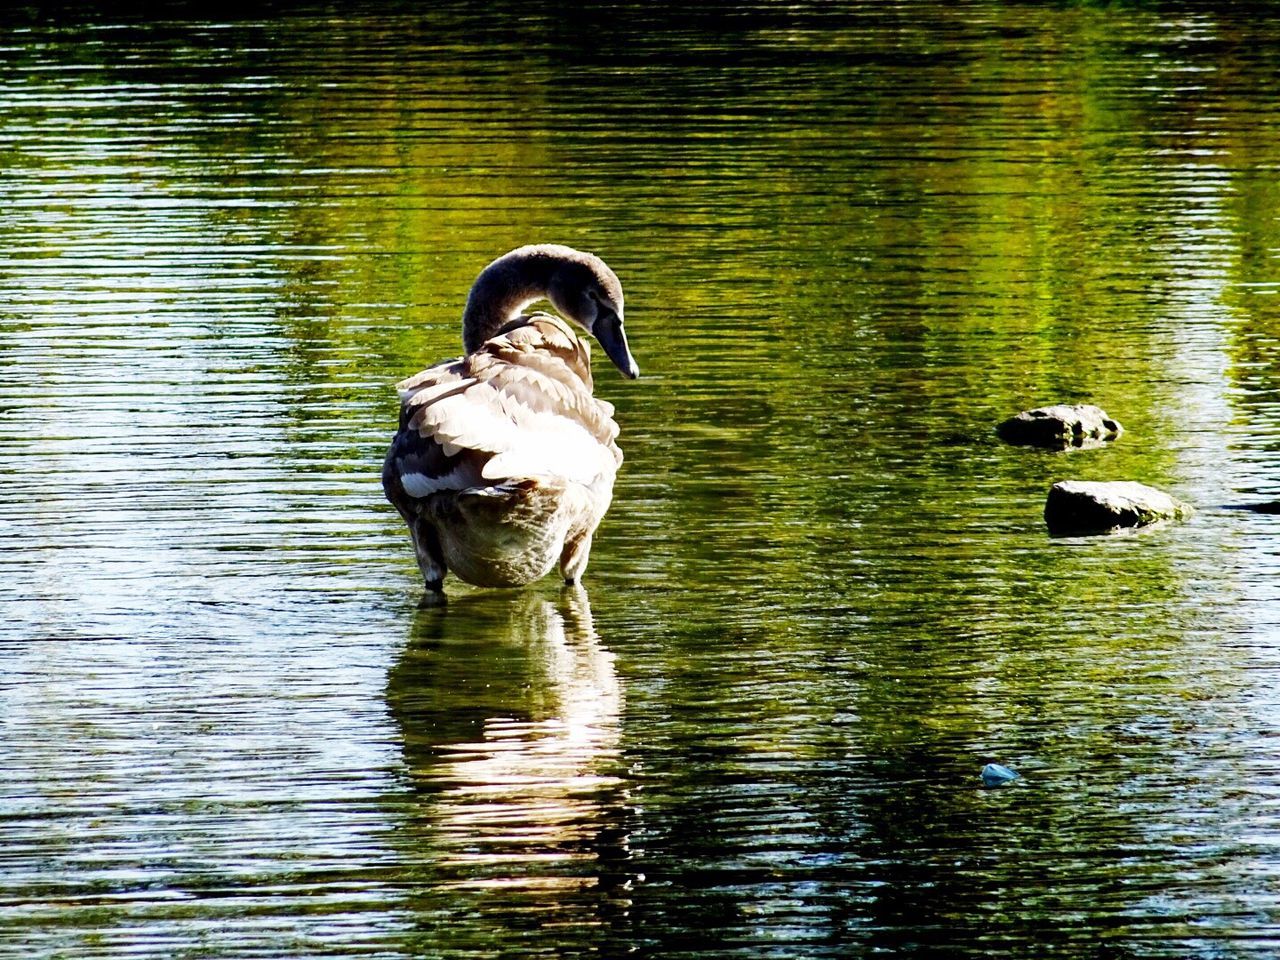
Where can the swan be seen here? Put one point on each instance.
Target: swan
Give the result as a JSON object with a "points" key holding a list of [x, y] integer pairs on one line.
{"points": [[504, 462]]}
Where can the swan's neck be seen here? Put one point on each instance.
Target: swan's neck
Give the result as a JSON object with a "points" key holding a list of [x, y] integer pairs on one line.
{"points": [[501, 292]]}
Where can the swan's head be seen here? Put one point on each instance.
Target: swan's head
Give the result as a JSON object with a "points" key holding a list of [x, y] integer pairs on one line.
{"points": [[588, 293]]}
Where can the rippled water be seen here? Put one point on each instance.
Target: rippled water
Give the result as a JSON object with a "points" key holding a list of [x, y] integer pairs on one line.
{"points": [[853, 237]]}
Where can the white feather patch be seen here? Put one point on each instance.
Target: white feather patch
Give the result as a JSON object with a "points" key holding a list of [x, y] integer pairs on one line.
{"points": [[552, 447], [420, 485]]}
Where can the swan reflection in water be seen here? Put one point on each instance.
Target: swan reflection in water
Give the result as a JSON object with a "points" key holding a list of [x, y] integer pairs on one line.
{"points": [[509, 707]]}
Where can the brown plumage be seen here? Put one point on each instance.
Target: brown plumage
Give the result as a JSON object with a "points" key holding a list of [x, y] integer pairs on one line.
{"points": [[504, 462]]}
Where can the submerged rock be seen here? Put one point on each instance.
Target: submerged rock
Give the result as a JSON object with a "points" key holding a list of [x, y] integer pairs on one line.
{"points": [[997, 775], [1060, 426], [1079, 506], [1271, 507]]}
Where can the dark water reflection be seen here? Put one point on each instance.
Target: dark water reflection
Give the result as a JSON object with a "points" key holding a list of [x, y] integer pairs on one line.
{"points": [[853, 237]]}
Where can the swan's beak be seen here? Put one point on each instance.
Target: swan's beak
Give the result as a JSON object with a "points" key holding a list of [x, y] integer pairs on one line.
{"points": [[608, 330]]}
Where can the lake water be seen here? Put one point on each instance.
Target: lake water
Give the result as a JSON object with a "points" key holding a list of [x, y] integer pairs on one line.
{"points": [[853, 237]]}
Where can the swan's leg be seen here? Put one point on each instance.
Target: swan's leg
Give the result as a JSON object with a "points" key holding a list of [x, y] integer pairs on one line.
{"points": [[426, 547], [574, 556]]}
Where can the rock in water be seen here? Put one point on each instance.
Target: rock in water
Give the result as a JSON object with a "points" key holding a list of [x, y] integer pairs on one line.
{"points": [[1060, 426], [1079, 506]]}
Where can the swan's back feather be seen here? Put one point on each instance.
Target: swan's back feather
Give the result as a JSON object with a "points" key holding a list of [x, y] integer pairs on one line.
{"points": [[518, 408]]}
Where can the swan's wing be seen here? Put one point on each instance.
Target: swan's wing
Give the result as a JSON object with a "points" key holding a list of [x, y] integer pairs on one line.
{"points": [[422, 464], [541, 364], [519, 407]]}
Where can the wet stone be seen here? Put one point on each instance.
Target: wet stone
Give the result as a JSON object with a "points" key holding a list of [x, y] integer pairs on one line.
{"points": [[1060, 426], [1079, 506]]}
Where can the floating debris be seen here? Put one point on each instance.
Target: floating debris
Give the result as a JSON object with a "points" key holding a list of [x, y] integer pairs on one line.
{"points": [[997, 775]]}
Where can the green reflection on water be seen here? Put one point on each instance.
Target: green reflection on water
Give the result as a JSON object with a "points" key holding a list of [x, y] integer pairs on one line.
{"points": [[853, 238]]}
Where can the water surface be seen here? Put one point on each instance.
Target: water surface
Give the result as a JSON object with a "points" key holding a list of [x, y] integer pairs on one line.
{"points": [[853, 237]]}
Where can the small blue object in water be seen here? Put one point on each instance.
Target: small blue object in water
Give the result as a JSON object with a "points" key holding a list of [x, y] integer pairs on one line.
{"points": [[997, 775]]}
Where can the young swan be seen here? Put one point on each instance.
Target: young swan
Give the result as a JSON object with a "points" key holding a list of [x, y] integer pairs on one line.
{"points": [[504, 462]]}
